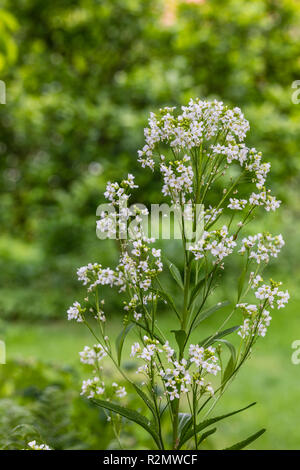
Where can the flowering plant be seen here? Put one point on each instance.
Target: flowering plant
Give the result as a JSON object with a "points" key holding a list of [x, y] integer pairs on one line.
{"points": [[200, 155]]}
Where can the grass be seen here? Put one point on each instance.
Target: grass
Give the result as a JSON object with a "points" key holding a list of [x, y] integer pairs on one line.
{"points": [[54, 342], [269, 377]]}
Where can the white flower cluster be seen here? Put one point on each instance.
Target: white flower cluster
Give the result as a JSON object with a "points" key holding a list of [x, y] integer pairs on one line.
{"points": [[237, 204], [144, 264], [115, 220], [148, 352], [216, 242], [134, 304], [265, 199], [120, 391], [94, 275], [261, 246], [257, 318], [255, 322], [92, 356], [116, 192], [249, 159], [272, 295], [92, 388], [211, 214], [75, 312], [151, 347], [254, 164], [178, 179], [204, 358], [138, 264], [199, 121], [95, 387], [34, 446], [132, 307], [232, 152], [178, 379]]}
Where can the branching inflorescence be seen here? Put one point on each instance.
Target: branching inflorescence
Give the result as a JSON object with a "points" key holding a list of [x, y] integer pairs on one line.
{"points": [[200, 155]]}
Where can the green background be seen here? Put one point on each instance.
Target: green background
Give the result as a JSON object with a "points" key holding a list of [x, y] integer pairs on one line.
{"points": [[81, 78]]}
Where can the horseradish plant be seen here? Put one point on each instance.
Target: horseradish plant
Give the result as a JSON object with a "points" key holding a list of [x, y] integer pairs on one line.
{"points": [[179, 375]]}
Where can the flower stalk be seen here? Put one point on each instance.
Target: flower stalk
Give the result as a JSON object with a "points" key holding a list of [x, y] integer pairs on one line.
{"points": [[200, 155]]}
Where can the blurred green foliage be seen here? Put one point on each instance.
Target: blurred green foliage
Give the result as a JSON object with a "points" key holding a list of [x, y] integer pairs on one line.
{"points": [[8, 46], [40, 401], [81, 79]]}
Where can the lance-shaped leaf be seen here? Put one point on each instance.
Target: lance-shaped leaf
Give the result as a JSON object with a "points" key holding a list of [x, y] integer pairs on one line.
{"points": [[188, 430], [154, 334], [231, 362], [145, 399], [180, 336], [242, 444], [175, 273], [183, 419], [131, 415], [212, 339], [167, 298], [196, 290], [120, 340], [241, 283], [205, 435], [208, 312]]}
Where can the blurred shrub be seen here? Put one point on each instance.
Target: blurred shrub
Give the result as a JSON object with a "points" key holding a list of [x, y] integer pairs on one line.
{"points": [[80, 83], [41, 401], [8, 46]]}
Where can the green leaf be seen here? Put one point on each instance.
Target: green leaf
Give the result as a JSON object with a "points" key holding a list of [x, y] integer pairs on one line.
{"points": [[131, 415], [208, 312], [180, 336], [196, 290], [183, 419], [206, 434], [241, 283], [167, 298], [175, 273], [145, 399], [156, 336], [212, 339], [120, 340], [189, 432], [241, 445], [231, 362]]}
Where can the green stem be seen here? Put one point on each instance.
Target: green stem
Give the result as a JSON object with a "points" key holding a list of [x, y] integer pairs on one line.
{"points": [[175, 424]]}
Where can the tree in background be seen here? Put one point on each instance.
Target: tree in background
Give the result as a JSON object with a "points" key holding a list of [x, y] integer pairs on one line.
{"points": [[80, 82]]}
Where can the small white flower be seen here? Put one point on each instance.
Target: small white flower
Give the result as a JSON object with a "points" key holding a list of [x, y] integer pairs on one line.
{"points": [[34, 446], [75, 312]]}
